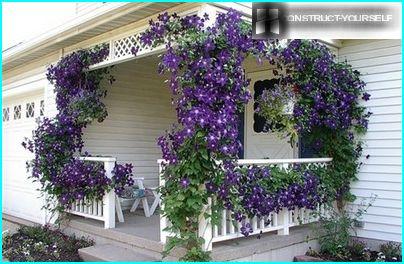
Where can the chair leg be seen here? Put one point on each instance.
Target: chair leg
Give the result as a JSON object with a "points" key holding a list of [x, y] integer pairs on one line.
{"points": [[118, 209], [135, 205], [156, 202], [145, 207]]}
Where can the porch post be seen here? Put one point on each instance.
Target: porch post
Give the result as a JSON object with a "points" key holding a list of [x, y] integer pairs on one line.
{"points": [[205, 227], [108, 206], [163, 220]]}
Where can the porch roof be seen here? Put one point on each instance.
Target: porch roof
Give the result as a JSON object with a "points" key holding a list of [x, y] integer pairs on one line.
{"points": [[106, 18]]}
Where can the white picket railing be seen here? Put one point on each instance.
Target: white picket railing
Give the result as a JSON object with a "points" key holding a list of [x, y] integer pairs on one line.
{"points": [[99, 210], [230, 229]]}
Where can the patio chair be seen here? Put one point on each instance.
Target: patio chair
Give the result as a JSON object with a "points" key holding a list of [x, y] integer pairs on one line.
{"points": [[136, 192], [157, 199]]}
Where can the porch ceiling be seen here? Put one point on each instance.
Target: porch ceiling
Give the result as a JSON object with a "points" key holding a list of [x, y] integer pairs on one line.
{"points": [[120, 15]]}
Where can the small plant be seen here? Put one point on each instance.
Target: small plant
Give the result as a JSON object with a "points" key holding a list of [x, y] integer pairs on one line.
{"points": [[358, 250], [391, 251], [336, 228], [40, 243]]}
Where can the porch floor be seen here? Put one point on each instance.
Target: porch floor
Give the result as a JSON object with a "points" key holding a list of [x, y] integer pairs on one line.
{"points": [[135, 224]]}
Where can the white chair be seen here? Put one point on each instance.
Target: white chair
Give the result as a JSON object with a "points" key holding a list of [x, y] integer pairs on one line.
{"points": [[157, 200], [141, 197]]}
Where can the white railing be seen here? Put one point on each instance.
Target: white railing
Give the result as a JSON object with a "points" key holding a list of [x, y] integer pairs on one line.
{"points": [[229, 228], [99, 210]]}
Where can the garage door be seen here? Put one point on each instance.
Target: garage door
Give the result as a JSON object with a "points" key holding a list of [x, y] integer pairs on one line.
{"points": [[20, 195]]}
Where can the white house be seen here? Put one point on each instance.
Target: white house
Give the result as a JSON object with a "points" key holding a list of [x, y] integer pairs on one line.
{"points": [[140, 110]]}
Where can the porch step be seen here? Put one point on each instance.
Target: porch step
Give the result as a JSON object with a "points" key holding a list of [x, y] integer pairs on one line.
{"points": [[109, 252], [112, 236]]}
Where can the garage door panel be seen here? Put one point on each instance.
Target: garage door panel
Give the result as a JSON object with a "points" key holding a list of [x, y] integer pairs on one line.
{"points": [[23, 203], [14, 170], [20, 195]]}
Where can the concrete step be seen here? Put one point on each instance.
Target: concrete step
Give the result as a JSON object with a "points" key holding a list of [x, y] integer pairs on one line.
{"points": [[109, 252], [111, 236]]}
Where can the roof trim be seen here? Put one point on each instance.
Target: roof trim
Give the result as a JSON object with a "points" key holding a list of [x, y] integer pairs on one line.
{"points": [[103, 14]]}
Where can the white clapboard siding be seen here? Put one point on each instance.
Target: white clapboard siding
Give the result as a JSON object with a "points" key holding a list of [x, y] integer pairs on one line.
{"points": [[379, 61], [139, 111]]}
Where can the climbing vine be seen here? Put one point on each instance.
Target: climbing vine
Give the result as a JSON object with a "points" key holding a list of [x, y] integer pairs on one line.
{"points": [[209, 92], [327, 111], [56, 141]]}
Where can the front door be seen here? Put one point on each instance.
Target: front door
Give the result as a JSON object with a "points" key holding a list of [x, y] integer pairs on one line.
{"points": [[259, 144]]}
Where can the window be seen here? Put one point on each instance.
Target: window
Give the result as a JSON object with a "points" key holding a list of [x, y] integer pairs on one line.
{"points": [[17, 112], [30, 110], [42, 108], [6, 114], [260, 124], [306, 150]]}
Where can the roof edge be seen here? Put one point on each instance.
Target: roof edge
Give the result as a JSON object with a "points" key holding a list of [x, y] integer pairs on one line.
{"points": [[71, 28]]}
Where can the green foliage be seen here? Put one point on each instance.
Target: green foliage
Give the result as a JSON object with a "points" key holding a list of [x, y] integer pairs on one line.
{"points": [[336, 227], [391, 251], [184, 205]]}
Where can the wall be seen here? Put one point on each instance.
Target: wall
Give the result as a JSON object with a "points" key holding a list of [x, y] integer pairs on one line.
{"points": [[140, 110], [379, 61]]}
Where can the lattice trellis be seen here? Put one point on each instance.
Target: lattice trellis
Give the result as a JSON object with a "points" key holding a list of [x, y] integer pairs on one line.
{"points": [[123, 47]]}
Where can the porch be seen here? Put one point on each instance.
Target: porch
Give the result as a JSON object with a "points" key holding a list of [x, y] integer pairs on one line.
{"points": [[140, 236], [147, 233], [139, 111]]}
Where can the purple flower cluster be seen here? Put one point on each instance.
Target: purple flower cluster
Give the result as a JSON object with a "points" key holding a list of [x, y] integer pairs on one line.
{"points": [[80, 179], [56, 140], [207, 80], [261, 191], [329, 98], [122, 176], [72, 82]]}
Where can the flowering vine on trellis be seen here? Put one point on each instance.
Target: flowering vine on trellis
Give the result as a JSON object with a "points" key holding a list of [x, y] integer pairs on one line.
{"points": [[210, 90], [57, 140]]}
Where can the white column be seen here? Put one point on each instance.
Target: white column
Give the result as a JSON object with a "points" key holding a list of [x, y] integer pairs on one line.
{"points": [[205, 227], [109, 198], [163, 220]]}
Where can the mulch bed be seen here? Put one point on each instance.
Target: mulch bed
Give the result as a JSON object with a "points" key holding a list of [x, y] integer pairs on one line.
{"points": [[40, 243]]}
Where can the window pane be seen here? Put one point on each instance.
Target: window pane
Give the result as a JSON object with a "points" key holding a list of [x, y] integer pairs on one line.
{"points": [[30, 110], [17, 112], [6, 114], [42, 108]]}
